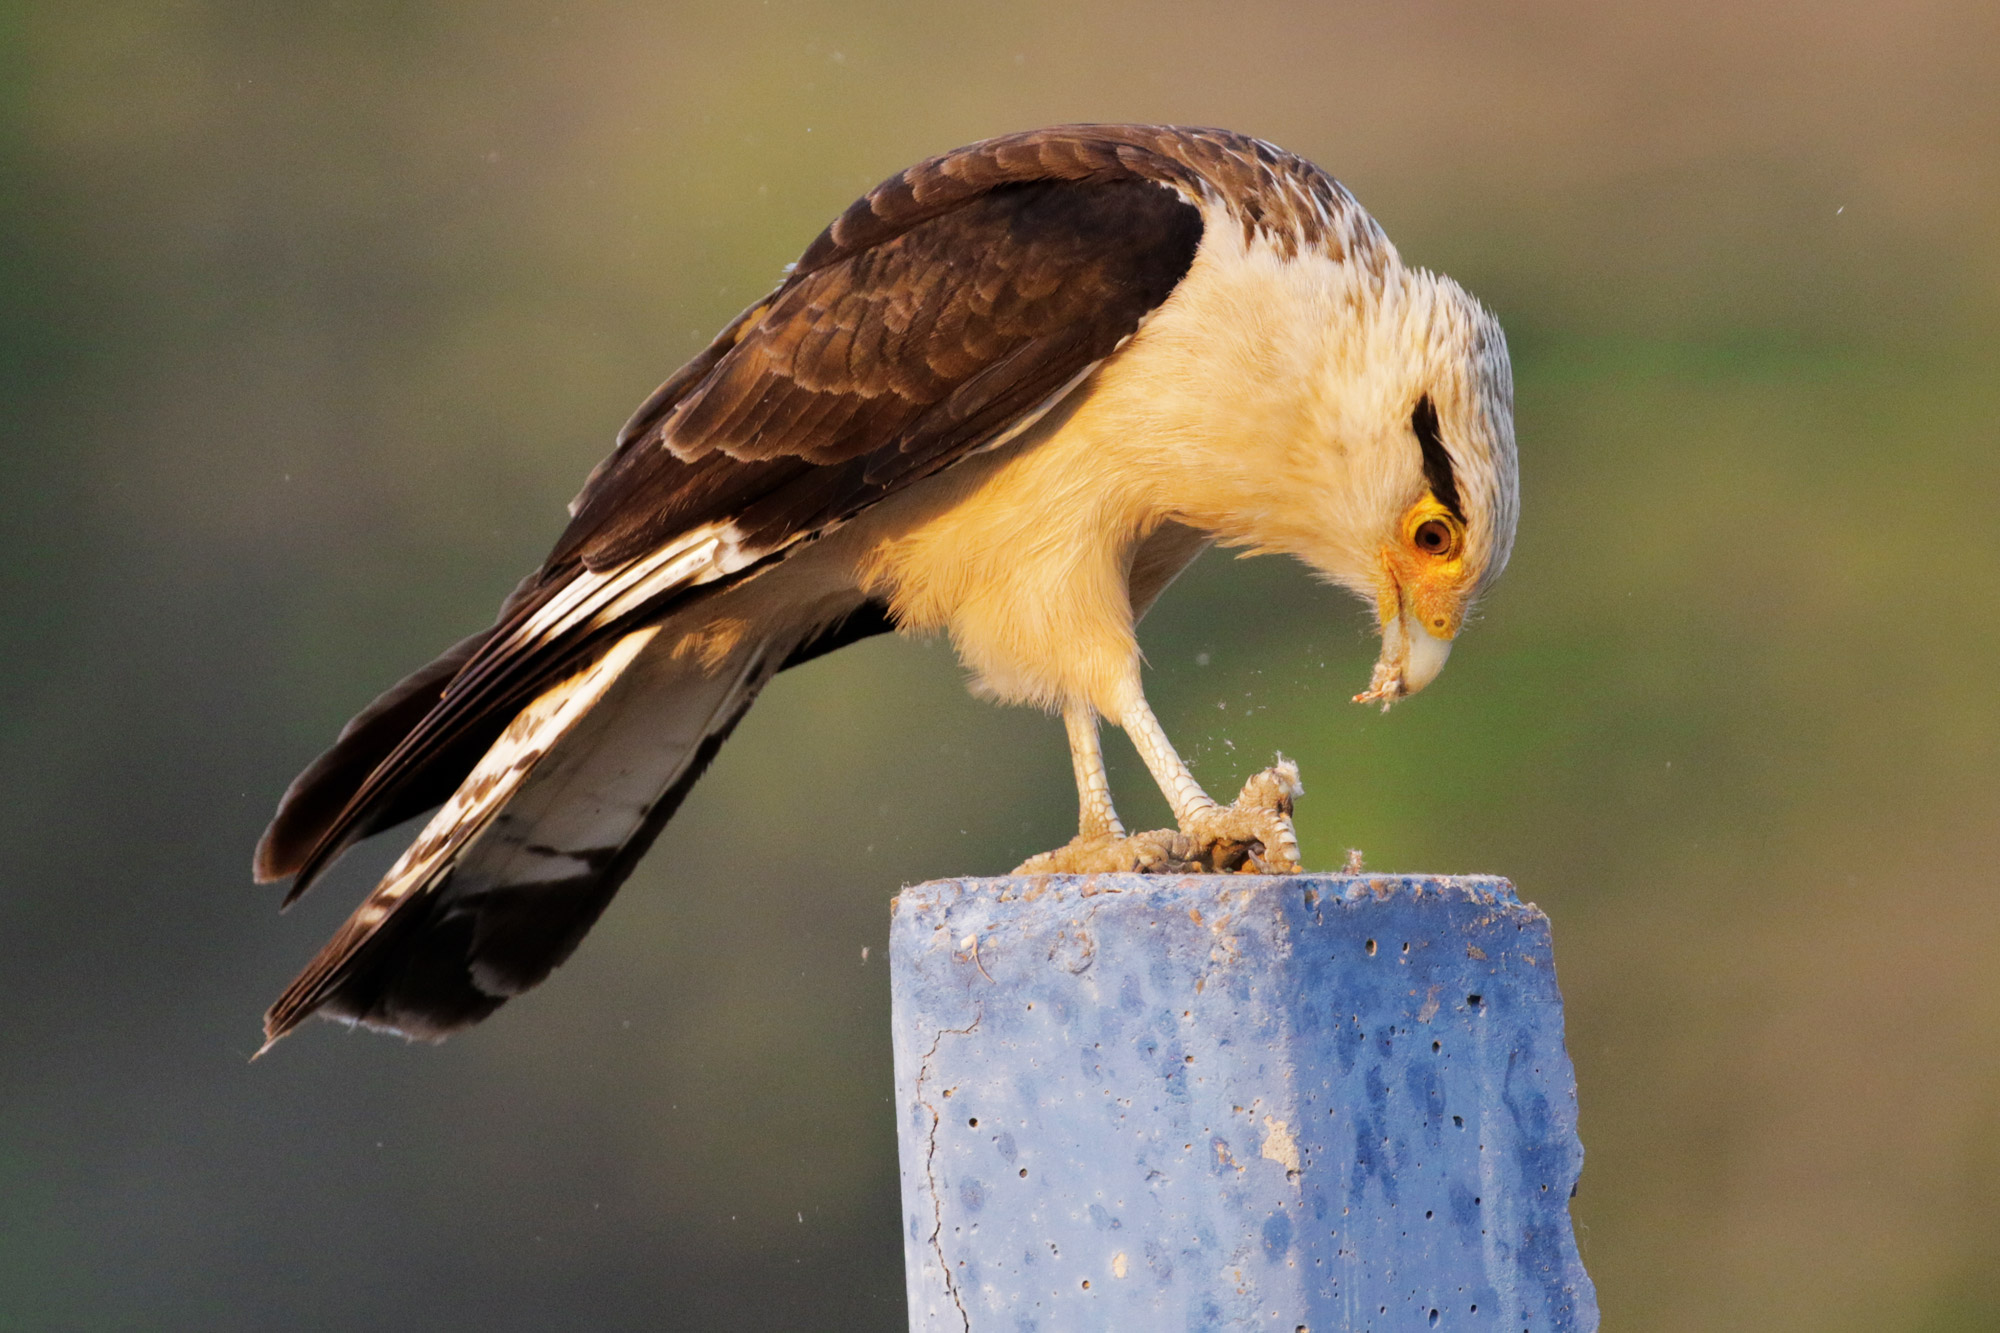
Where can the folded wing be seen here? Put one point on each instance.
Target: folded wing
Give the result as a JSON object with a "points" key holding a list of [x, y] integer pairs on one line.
{"points": [[942, 313]]}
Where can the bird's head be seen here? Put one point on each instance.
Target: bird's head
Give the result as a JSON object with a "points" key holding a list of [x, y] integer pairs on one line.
{"points": [[1436, 487]]}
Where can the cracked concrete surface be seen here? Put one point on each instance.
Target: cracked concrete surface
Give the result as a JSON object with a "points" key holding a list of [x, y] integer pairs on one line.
{"points": [[1233, 1101], [930, 1164]]}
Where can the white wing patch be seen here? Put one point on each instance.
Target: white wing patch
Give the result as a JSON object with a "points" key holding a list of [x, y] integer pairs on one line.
{"points": [[590, 795], [597, 597], [591, 600], [493, 782]]}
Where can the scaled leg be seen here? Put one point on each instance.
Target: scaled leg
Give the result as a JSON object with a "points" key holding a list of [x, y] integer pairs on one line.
{"points": [[1261, 815], [1093, 789]]}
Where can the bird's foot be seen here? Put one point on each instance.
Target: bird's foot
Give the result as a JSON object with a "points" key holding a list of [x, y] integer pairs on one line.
{"points": [[1254, 835], [1160, 852]]}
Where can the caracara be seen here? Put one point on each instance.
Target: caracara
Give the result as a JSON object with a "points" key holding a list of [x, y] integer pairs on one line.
{"points": [[1009, 394]]}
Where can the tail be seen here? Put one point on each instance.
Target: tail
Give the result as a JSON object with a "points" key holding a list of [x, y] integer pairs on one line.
{"points": [[522, 859]]}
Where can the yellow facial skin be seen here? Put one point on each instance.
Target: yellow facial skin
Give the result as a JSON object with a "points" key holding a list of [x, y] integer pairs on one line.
{"points": [[1427, 573], [1420, 601]]}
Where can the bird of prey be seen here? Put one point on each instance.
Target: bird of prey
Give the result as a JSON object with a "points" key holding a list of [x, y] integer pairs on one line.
{"points": [[1009, 395]]}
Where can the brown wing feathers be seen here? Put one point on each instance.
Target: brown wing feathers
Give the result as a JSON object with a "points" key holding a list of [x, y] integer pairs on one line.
{"points": [[947, 305], [318, 798], [898, 358]]}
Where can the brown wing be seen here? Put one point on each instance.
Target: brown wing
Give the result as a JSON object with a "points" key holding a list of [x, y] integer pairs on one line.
{"points": [[862, 375], [945, 307]]}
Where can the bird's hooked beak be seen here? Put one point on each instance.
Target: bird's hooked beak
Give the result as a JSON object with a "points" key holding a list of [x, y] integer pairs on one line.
{"points": [[1411, 659], [1421, 605]]}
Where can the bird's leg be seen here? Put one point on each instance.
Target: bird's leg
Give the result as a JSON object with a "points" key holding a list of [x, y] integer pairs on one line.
{"points": [[1095, 814], [1100, 845], [1256, 829], [1258, 825]]}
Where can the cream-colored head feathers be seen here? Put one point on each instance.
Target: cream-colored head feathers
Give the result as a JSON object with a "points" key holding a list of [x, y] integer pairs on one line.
{"points": [[1268, 404]]}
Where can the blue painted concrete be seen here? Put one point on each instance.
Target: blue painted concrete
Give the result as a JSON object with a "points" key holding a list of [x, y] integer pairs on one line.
{"points": [[1316, 1102]]}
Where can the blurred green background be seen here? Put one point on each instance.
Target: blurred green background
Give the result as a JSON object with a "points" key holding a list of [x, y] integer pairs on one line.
{"points": [[312, 317]]}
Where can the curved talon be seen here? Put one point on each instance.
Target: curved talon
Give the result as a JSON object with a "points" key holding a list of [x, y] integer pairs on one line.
{"points": [[1257, 828]]}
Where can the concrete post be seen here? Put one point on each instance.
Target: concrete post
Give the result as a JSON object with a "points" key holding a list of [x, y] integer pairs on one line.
{"points": [[1311, 1102]]}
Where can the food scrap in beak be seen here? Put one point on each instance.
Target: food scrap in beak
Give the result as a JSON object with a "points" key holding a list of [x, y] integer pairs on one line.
{"points": [[1411, 659]]}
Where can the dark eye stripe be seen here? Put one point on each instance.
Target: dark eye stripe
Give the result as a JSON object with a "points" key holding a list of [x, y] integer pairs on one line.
{"points": [[1437, 463]]}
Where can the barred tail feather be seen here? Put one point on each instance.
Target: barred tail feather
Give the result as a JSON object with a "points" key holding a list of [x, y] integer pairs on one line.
{"points": [[520, 862]]}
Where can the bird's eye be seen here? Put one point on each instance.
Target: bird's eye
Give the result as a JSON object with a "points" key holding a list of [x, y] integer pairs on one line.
{"points": [[1433, 537]]}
